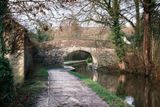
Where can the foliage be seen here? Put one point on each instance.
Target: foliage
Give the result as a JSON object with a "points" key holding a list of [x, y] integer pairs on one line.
{"points": [[118, 41], [3, 10], [109, 97], [41, 74], [6, 82], [155, 26], [89, 60], [40, 36], [136, 40]]}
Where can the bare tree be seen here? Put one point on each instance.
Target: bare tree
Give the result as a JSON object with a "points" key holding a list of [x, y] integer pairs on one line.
{"points": [[148, 9], [113, 13]]}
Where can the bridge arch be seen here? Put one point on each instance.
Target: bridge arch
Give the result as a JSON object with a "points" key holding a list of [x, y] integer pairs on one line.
{"points": [[90, 51], [78, 55]]}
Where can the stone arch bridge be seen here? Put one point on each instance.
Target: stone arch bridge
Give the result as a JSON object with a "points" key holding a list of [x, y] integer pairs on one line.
{"points": [[55, 51]]}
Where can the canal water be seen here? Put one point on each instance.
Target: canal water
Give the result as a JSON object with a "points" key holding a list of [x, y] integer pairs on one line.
{"points": [[136, 90]]}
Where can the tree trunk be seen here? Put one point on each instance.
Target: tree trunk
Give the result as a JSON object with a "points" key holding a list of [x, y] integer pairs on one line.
{"points": [[138, 22], [147, 36], [146, 93], [116, 30]]}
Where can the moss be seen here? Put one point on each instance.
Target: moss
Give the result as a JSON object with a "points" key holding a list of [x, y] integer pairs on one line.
{"points": [[109, 97], [41, 74]]}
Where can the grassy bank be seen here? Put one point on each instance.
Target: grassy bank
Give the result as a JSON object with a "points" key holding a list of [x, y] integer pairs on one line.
{"points": [[27, 94], [109, 97]]}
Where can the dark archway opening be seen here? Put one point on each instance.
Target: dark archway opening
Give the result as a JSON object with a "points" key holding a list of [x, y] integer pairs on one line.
{"points": [[82, 61], [78, 55]]}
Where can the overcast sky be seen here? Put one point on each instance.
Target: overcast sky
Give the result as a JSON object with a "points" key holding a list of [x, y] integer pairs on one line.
{"points": [[53, 14]]}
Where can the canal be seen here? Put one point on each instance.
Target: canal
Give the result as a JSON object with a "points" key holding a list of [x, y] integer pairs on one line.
{"points": [[136, 90]]}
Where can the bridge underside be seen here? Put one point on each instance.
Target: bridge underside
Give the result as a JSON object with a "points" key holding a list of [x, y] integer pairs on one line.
{"points": [[78, 55]]}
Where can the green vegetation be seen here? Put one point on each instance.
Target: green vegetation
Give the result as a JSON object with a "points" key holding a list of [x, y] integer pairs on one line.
{"points": [[89, 60], [26, 95], [119, 43], [6, 83], [109, 97], [41, 36], [41, 74], [3, 11]]}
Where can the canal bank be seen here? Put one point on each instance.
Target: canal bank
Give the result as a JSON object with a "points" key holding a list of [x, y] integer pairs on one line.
{"points": [[107, 96], [137, 90]]}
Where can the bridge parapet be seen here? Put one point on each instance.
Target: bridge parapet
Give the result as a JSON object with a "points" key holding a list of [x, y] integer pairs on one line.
{"points": [[80, 43]]}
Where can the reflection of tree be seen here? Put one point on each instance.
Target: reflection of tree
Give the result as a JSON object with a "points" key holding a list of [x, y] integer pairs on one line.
{"points": [[154, 97], [108, 80], [146, 93], [138, 87], [121, 85]]}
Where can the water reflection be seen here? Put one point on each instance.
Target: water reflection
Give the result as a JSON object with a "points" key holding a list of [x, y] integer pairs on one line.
{"points": [[136, 90], [129, 100]]}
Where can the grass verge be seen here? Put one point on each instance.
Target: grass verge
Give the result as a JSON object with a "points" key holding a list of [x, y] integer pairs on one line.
{"points": [[111, 99], [28, 92]]}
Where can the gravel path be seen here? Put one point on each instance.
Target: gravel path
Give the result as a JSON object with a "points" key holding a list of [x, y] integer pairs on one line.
{"points": [[66, 90]]}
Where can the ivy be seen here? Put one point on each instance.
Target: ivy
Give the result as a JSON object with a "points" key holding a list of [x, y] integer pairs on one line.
{"points": [[41, 36], [6, 83], [136, 40], [117, 37], [6, 76], [3, 11]]}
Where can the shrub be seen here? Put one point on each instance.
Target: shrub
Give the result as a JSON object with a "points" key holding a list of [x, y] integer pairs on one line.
{"points": [[6, 83], [41, 36], [89, 60]]}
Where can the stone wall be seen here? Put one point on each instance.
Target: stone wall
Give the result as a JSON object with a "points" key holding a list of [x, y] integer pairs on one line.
{"points": [[14, 37], [80, 43], [51, 59], [102, 51], [107, 58], [54, 56], [17, 64], [28, 57]]}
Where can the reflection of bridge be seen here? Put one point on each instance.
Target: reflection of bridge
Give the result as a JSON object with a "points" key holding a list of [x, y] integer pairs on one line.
{"points": [[100, 55]]}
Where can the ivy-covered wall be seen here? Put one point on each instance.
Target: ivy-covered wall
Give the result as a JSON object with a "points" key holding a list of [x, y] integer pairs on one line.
{"points": [[14, 37]]}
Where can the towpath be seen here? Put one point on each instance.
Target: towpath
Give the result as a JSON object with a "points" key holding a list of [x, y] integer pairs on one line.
{"points": [[66, 90]]}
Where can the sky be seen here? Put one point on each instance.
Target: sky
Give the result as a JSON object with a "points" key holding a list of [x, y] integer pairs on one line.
{"points": [[54, 13]]}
